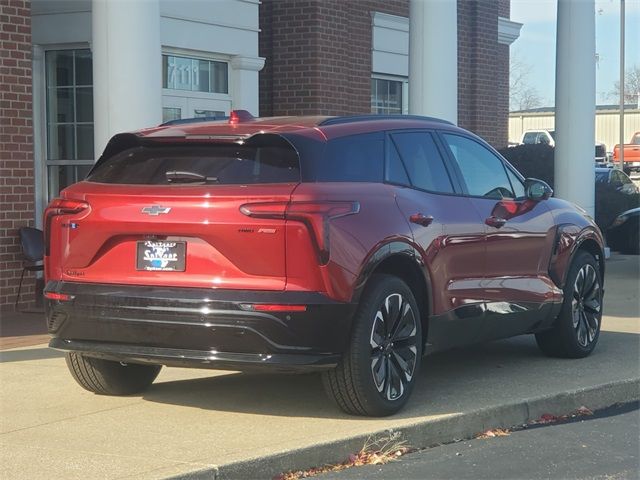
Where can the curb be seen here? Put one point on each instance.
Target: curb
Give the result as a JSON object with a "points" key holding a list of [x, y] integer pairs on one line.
{"points": [[427, 433]]}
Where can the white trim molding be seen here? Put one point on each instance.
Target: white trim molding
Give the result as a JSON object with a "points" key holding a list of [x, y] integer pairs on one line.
{"points": [[393, 22], [508, 31], [240, 62]]}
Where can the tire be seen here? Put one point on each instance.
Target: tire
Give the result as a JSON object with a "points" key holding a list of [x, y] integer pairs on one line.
{"points": [[107, 377], [577, 328], [393, 358]]}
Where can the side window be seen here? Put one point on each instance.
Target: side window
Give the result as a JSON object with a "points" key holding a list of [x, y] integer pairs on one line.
{"points": [[614, 178], [516, 183], [394, 169], [529, 138], [356, 158], [483, 172], [422, 161], [543, 138]]}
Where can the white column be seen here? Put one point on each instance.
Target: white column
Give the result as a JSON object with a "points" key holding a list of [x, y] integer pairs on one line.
{"points": [[433, 58], [575, 103], [244, 83], [127, 67]]}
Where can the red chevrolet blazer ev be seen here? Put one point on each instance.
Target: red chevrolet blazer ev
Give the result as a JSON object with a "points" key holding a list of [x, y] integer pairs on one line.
{"points": [[346, 245]]}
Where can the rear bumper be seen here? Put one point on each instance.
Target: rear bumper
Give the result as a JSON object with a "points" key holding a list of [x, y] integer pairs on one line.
{"points": [[198, 327]]}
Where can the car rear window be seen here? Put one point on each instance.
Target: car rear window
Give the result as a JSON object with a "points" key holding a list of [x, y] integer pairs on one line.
{"points": [[224, 164]]}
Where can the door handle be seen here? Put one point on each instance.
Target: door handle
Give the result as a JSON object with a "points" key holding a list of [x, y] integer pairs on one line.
{"points": [[421, 219], [496, 222]]}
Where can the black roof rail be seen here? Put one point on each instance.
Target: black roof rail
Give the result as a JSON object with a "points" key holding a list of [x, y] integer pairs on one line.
{"points": [[364, 118], [180, 121]]}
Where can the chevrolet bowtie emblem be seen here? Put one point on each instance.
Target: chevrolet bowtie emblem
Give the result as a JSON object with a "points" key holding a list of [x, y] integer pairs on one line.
{"points": [[156, 210]]}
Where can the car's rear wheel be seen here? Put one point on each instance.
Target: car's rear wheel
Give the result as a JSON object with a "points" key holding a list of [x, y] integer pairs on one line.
{"points": [[577, 327], [107, 377], [377, 373]]}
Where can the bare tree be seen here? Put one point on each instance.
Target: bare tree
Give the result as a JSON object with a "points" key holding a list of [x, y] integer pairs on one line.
{"points": [[522, 95], [631, 86]]}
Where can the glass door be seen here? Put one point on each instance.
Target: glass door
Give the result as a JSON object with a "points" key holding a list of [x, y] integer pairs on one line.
{"points": [[69, 118]]}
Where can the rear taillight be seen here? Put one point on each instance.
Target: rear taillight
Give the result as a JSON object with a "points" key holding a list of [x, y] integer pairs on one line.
{"points": [[57, 207], [315, 215]]}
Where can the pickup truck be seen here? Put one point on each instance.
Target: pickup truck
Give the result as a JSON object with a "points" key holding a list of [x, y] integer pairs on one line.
{"points": [[631, 153], [548, 137]]}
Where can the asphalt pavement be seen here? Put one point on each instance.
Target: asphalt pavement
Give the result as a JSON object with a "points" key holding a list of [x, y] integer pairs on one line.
{"points": [[605, 446]]}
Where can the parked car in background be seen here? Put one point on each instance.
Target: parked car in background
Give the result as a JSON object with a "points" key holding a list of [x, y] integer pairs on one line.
{"points": [[623, 235], [631, 154], [617, 179], [346, 245], [548, 137]]}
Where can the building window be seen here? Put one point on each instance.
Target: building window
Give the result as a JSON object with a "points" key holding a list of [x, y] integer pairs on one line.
{"points": [[69, 113], [171, 113], [388, 95], [194, 75]]}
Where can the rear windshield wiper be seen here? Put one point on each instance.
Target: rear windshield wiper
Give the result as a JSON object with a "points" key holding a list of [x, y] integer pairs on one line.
{"points": [[179, 176]]}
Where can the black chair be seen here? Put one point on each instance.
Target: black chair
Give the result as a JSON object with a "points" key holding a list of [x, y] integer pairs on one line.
{"points": [[32, 242]]}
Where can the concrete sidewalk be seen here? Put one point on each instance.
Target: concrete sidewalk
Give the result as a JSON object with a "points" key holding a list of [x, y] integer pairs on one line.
{"points": [[251, 426]]}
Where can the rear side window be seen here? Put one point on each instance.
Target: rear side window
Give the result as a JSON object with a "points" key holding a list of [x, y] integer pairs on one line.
{"points": [[356, 158], [422, 161], [224, 164], [529, 138]]}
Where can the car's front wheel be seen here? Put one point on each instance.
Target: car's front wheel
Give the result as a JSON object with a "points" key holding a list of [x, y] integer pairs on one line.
{"points": [[107, 377], [577, 327], [378, 371]]}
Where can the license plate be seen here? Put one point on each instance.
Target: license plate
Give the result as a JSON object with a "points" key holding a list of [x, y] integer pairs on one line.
{"points": [[161, 255]]}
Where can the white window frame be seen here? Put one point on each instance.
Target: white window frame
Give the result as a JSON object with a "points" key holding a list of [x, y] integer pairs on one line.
{"points": [[405, 87]]}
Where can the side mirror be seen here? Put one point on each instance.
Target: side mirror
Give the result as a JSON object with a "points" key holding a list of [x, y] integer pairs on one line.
{"points": [[537, 189]]}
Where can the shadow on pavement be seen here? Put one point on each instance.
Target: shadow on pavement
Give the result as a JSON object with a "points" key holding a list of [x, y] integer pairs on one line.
{"points": [[29, 354], [449, 382]]}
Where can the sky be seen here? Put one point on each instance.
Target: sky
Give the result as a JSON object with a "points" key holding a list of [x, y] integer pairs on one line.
{"points": [[537, 43]]}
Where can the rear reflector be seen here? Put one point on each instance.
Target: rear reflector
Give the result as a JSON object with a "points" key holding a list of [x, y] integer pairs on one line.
{"points": [[273, 307], [62, 297]]}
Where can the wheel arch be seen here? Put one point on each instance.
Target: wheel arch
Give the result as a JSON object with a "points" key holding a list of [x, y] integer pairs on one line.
{"points": [[404, 261], [570, 239]]}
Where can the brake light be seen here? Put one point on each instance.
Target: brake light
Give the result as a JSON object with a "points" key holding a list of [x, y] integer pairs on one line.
{"points": [[315, 215], [57, 207], [238, 116]]}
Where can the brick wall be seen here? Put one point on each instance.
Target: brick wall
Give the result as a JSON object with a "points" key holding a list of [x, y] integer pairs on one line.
{"points": [[481, 86], [318, 55], [16, 147], [319, 60]]}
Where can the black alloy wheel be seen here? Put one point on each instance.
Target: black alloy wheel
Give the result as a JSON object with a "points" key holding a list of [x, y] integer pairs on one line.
{"points": [[378, 371], [577, 328]]}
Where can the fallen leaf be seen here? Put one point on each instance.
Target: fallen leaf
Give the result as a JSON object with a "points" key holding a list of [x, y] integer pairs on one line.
{"points": [[584, 411], [495, 432]]}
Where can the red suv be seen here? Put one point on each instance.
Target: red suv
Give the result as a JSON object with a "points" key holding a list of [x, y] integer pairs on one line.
{"points": [[346, 245]]}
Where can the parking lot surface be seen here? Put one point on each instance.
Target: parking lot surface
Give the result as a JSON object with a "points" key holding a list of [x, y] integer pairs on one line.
{"points": [[192, 420]]}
